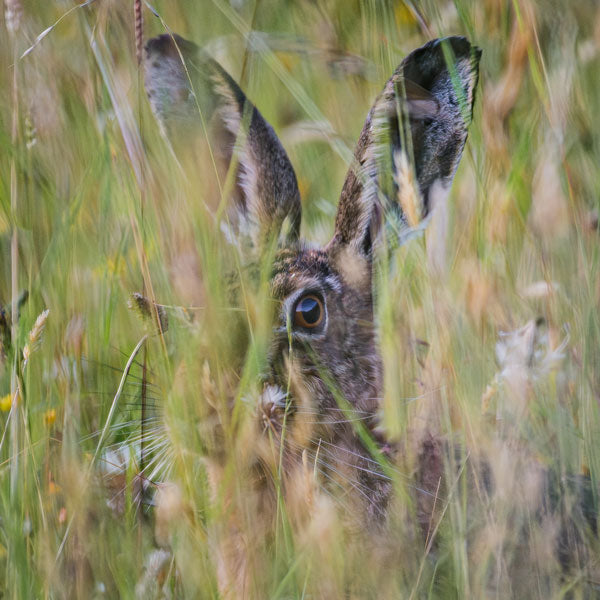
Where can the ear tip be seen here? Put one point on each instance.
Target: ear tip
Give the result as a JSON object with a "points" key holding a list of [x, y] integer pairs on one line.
{"points": [[425, 64], [462, 49], [461, 45], [169, 44], [160, 43]]}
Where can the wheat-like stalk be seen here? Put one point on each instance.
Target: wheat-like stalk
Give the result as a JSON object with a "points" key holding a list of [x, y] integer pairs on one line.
{"points": [[35, 336], [139, 29], [408, 192]]}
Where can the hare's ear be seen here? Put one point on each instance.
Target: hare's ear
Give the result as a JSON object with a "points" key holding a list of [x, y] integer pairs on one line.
{"points": [[410, 145], [191, 94]]}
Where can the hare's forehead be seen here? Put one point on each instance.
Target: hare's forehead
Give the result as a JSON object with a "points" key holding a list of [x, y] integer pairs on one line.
{"points": [[299, 269]]}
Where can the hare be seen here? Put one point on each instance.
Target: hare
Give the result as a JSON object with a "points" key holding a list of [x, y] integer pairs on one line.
{"points": [[324, 352]]}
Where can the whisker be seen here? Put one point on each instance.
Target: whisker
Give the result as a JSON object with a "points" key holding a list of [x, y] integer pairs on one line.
{"points": [[355, 466], [117, 369], [110, 393], [116, 427], [139, 404], [307, 409], [338, 422], [135, 362], [360, 487], [343, 449]]}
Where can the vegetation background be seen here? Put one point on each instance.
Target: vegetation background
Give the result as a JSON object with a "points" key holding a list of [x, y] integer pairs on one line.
{"points": [[93, 207]]}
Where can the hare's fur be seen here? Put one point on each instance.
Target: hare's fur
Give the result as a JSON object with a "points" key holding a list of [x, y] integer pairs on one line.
{"points": [[421, 117]]}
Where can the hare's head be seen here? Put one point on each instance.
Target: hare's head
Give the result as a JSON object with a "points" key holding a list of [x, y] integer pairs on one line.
{"points": [[324, 352]]}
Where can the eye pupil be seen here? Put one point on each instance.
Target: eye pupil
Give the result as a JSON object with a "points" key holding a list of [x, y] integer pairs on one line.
{"points": [[308, 312]]}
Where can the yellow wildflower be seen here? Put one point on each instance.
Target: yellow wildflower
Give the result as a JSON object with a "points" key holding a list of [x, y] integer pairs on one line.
{"points": [[50, 416], [5, 403]]}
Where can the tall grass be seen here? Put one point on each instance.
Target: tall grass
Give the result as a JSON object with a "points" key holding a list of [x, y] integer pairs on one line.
{"points": [[94, 207]]}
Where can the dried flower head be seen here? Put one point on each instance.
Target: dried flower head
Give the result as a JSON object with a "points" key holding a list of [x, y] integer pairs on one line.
{"points": [[149, 311]]}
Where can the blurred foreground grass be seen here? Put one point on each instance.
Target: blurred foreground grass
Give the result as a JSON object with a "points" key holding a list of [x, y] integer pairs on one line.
{"points": [[93, 207]]}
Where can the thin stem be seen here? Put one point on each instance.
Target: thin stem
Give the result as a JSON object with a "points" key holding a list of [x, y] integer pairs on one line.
{"points": [[14, 272]]}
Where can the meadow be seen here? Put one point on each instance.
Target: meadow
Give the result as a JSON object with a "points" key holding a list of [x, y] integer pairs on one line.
{"points": [[489, 323]]}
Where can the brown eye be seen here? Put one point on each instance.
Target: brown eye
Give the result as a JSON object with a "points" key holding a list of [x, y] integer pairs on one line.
{"points": [[308, 312]]}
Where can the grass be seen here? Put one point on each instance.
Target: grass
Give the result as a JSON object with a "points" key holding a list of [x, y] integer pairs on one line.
{"points": [[93, 207]]}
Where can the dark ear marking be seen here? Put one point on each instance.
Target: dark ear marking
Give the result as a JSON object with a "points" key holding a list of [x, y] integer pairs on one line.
{"points": [[186, 96], [410, 145]]}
